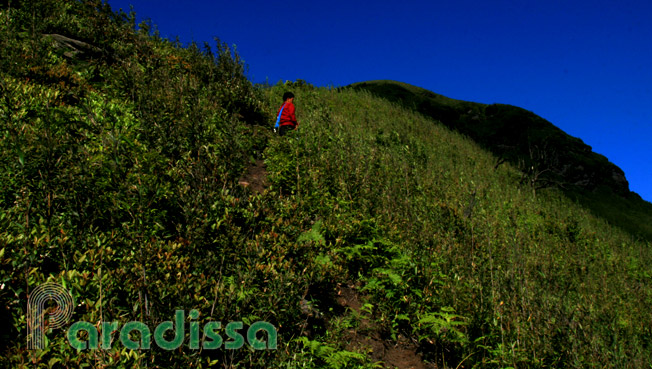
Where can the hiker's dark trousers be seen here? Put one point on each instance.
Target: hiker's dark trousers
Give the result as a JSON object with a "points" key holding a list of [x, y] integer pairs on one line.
{"points": [[282, 130]]}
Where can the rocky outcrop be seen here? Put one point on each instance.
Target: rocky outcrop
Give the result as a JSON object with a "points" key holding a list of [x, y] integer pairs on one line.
{"points": [[73, 48]]}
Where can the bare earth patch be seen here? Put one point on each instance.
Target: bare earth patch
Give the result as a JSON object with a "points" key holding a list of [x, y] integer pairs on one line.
{"points": [[255, 178], [368, 337]]}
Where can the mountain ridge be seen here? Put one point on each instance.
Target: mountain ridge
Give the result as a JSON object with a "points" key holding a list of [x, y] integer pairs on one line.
{"points": [[546, 155], [468, 117]]}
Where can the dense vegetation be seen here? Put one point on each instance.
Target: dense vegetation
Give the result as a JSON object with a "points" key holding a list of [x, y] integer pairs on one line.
{"points": [[121, 154], [545, 155]]}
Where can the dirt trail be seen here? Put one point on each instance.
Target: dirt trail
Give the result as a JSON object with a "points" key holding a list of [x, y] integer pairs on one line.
{"points": [[255, 177], [368, 337]]}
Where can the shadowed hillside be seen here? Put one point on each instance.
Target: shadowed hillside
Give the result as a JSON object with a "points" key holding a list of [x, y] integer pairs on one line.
{"points": [[545, 154]]}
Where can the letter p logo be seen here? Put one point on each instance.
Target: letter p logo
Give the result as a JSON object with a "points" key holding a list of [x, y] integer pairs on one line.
{"points": [[36, 310]]}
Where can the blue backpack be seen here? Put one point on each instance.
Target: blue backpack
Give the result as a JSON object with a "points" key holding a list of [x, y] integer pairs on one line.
{"points": [[278, 119]]}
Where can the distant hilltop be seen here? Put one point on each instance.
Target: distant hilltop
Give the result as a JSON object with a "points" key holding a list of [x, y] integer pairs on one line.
{"points": [[546, 155], [513, 134]]}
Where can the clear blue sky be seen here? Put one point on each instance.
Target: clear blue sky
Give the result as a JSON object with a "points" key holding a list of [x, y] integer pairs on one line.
{"points": [[585, 66]]}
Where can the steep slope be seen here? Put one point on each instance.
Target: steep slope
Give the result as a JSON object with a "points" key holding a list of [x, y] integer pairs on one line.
{"points": [[545, 154], [377, 232], [451, 251]]}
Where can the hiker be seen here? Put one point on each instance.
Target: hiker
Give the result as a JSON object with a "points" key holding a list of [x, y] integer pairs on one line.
{"points": [[286, 120]]}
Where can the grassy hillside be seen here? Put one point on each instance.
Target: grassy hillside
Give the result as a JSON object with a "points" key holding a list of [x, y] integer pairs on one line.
{"points": [[471, 262], [545, 155], [381, 236]]}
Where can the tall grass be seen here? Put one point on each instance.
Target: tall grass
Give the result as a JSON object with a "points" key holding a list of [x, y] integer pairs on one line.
{"points": [[119, 180], [537, 280]]}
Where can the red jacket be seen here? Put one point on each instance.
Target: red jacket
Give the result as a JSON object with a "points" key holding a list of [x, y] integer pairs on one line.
{"points": [[287, 117]]}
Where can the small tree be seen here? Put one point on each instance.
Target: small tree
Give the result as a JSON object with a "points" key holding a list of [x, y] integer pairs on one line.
{"points": [[539, 167]]}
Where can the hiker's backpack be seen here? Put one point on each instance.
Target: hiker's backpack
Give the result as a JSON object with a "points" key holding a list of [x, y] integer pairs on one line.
{"points": [[278, 119]]}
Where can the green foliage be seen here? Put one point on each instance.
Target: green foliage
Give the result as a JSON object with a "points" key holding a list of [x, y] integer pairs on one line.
{"points": [[313, 235], [545, 155], [444, 324], [448, 249], [119, 179], [334, 358]]}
